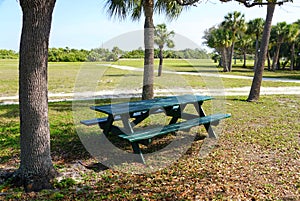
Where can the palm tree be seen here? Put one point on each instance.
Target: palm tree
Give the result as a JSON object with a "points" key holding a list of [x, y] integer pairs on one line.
{"points": [[255, 27], [244, 45], [235, 22], [219, 38], [281, 31], [292, 37], [257, 79], [162, 38], [135, 8]]}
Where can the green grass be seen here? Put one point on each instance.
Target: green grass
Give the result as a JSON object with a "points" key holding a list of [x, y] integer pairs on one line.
{"points": [[257, 156], [258, 151], [74, 77]]}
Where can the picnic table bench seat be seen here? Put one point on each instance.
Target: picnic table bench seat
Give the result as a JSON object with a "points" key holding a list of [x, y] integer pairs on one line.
{"points": [[95, 121], [185, 125]]}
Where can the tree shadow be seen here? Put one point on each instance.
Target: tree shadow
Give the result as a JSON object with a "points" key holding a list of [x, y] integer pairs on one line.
{"points": [[123, 75], [96, 167], [198, 71], [12, 111]]}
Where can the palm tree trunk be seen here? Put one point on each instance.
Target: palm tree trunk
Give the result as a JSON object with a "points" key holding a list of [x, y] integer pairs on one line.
{"points": [[224, 59], [36, 168], [276, 57], [256, 52], [292, 56], [230, 57], [245, 60], [160, 61], [256, 83], [269, 60], [148, 81]]}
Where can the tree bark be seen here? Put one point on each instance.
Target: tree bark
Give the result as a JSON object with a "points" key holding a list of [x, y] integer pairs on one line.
{"points": [[230, 57], [256, 83], [256, 55], [148, 91], [36, 169], [224, 59], [292, 56], [268, 60], [160, 61], [276, 57], [245, 60]]}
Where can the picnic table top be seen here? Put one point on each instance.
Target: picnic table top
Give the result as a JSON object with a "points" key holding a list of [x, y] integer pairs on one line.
{"points": [[146, 105]]}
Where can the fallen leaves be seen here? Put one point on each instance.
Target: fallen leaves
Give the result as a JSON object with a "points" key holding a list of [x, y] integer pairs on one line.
{"points": [[256, 158]]}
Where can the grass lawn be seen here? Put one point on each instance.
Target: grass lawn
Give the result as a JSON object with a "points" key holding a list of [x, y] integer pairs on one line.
{"points": [[257, 158], [73, 77]]}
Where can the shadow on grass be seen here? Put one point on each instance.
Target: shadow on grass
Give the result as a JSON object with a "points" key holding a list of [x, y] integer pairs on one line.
{"points": [[198, 71], [61, 106], [66, 146], [96, 167], [122, 75], [12, 111]]}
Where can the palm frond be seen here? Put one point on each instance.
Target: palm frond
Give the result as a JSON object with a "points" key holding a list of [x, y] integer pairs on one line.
{"points": [[137, 9], [168, 7], [119, 8]]}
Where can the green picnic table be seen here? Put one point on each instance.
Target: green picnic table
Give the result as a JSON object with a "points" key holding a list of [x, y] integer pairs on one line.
{"points": [[135, 112]]}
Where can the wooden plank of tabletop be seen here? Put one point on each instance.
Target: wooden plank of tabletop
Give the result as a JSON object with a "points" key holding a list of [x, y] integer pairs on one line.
{"points": [[146, 105]]}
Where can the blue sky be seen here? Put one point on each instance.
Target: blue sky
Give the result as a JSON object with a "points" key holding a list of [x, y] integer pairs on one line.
{"points": [[85, 24]]}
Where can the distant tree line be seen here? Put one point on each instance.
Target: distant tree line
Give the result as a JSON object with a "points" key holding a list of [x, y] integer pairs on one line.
{"points": [[236, 38], [67, 55], [8, 54], [102, 54]]}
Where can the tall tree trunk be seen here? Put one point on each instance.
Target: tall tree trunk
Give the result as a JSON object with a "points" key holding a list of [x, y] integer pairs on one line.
{"points": [[36, 169], [256, 83], [231, 52], [224, 59], [148, 91], [292, 56], [245, 60], [256, 52], [160, 61], [276, 57], [268, 60]]}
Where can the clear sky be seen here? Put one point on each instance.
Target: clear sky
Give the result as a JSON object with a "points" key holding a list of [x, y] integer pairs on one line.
{"points": [[84, 24]]}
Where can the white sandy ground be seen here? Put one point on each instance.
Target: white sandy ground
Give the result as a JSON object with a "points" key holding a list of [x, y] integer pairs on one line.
{"points": [[238, 91], [129, 68]]}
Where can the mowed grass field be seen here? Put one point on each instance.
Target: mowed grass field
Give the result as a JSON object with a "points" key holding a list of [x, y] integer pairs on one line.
{"points": [[73, 77]]}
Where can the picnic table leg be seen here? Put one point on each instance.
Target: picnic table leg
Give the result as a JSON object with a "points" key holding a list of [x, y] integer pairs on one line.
{"points": [[137, 150], [107, 126], [126, 123], [129, 130], [210, 131], [139, 119], [176, 114]]}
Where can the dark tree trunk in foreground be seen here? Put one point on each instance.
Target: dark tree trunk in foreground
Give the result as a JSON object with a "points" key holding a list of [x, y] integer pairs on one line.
{"points": [[148, 81], [256, 83], [36, 169], [160, 61]]}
